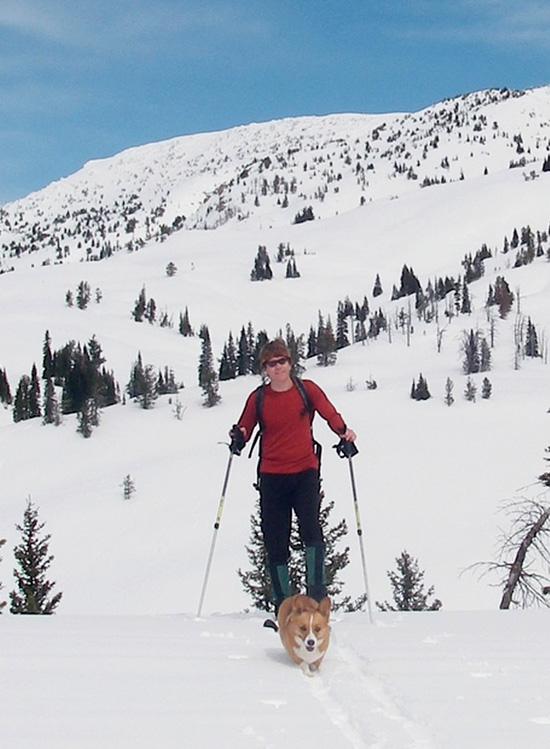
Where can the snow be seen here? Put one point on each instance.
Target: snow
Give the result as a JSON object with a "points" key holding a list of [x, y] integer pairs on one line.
{"points": [[444, 680], [125, 662]]}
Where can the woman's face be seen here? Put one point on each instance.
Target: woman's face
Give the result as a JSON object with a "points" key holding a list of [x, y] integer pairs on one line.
{"points": [[278, 370]]}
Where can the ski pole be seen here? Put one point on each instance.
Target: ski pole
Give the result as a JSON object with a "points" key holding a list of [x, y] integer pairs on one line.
{"points": [[346, 449], [237, 444]]}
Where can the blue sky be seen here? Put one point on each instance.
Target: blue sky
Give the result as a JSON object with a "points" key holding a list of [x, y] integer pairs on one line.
{"points": [[82, 80]]}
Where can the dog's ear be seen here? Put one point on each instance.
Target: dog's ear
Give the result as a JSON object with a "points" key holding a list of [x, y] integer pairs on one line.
{"points": [[324, 607]]}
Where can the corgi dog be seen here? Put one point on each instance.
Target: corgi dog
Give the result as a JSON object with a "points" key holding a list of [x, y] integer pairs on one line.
{"points": [[304, 630]]}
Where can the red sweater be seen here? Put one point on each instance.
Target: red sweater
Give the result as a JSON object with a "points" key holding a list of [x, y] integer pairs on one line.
{"points": [[286, 439]]}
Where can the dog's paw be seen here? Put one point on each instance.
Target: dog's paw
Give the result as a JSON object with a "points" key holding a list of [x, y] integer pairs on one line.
{"points": [[307, 669]]}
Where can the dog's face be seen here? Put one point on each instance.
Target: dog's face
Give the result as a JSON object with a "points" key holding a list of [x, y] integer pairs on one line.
{"points": [[310, 631]]}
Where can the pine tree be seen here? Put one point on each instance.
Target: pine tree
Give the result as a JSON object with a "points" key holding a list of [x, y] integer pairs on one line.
{"points": [[185, 326], [151, 311], [87, 417], [128, 487], [326, 343], [2, 603], [407, 584], [377, 289], [149, 394], [21, 403], [83, 295], [140, 306], [69, 300], [34, 395], [531, 340], [449, 386], [47, 359], [243, 354], [420, 390], [208, 380], [136, 385], [33, 558], [470, 390], [486, 388], [228, 361], [171, 269], [466, 306], [256, 581], [342, 339], [5, 392], [470, 347], [484, 356], [50, 406]]}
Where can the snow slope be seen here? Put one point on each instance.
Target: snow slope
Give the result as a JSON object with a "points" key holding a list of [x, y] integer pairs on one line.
{"points": [[412, 681]]}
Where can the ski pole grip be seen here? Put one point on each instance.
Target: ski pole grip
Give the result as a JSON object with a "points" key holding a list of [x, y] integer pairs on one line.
{"points": [[237, 440], [346, 449]]}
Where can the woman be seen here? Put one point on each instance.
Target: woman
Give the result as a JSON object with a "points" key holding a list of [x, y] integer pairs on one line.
{"points": [[289, 466]]}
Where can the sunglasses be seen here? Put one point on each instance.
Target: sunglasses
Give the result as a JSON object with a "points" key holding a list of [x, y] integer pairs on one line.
{"points": [[273, 362]]}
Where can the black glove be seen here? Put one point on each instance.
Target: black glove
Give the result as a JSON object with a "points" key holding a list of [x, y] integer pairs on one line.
{"points": [[346, 449], [237, 440]]}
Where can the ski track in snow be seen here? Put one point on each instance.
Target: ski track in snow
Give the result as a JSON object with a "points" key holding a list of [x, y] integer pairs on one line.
{"points": [[359, 705]]}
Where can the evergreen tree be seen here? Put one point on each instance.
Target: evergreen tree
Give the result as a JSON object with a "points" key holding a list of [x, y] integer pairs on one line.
{"points": [[83, 295], [228, 362], [87, 417], [256, 581], [466, 306], [262, 267], [136, 385], [51, 406], [208, 380], [531, 340], [151, 311], [185, 326], [484, 356], [420, 390], [470, 390], [377, 289], [243, 354], [149, 394], [2, 603], [140, 306], [326, 343], [470, 347], [5, 392], [295, 345], [171, 269], [47, 358], [449, 386], [33, 559], [128, 487], [21, 403], [69, 300], [407, 584], [342, 339], [311, 343], [503, 297], [34, 395], [486, 388]]}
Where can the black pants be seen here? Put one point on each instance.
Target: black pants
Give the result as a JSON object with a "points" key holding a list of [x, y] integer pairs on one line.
{"points": [[280, 495]]}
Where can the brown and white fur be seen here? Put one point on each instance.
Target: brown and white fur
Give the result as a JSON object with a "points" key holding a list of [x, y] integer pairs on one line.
{"points": [[304, 630]]}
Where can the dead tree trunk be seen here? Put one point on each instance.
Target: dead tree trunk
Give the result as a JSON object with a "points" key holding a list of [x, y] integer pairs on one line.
{"points": [[516, 569]]}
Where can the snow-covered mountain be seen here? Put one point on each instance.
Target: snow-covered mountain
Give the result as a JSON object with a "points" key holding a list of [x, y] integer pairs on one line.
{"points": [[267, 174]]}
